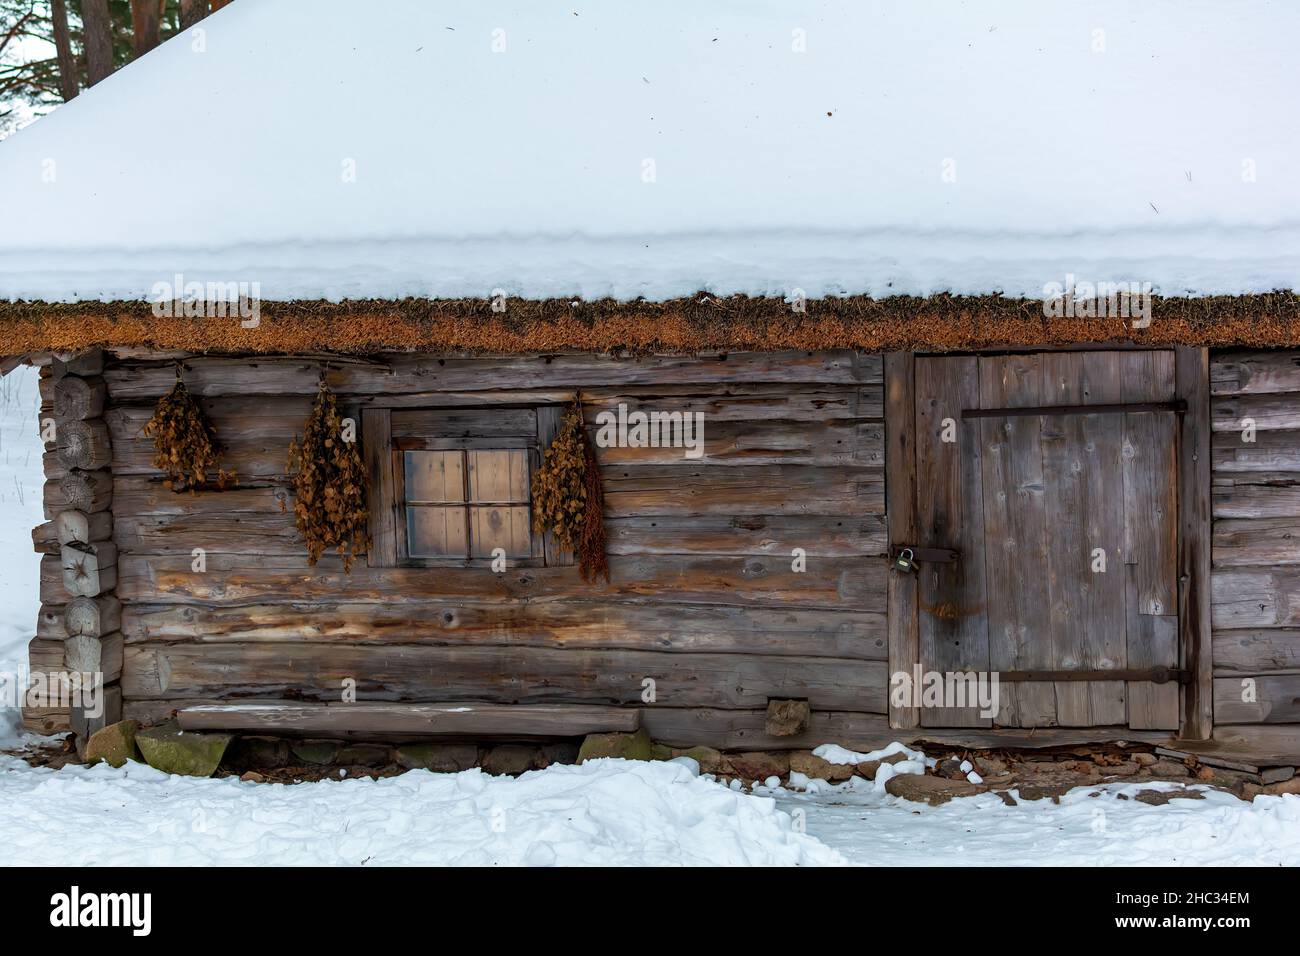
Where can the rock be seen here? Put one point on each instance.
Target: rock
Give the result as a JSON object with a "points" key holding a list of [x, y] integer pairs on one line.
{"points": [[1041, 791], [509, 760], [1007, 798], [1041, 766], [1145, 759], [894, 758], [1276, 774], [1158, 798], [710, 760], [1205, 773], [251, 776], [114, 744], [1249, 791], [660, 751], [810, 765], [1283, 787], [364, 755], [258, 753], [561, 753], [924, 788], [759, 765], [868, 769], [315, 751], [786, 718], [637, 746], [1125, 768], [440, 758], [168, 748], [1168, 768], [988, 765], [950, 768]]}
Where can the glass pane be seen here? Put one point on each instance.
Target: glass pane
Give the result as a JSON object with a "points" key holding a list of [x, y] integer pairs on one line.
{"points": [[498, 476], [436, 532], [435, 476], [501, 528]]}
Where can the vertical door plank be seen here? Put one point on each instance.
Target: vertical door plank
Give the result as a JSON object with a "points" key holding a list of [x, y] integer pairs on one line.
{"points": [[900, 508], [1150, 505], [1016, 529], [1192, 384], [951, 597]]}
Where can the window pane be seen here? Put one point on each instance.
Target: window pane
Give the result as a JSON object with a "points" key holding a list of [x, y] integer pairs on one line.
{"points": [[435, 476], [498, 476], [436, 532], [501, 528]]}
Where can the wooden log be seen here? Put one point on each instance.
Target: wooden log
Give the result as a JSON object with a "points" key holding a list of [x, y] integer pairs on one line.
{"points": [[45, 538], [463, 719], [83, 723], [89, 491], [50, 623], [78, 527], [1278, 739], [377, 437], [1255, 597], [1270, 451], [525, 675], [79, 399], [1256, 652], [591, 625], [92, 616], [1196, 588], [89, 569], [86, 364], [95, 655], [1257, 495], [848, 583], [373, 376], [1261, 699], [53, 590], [84, 445]]}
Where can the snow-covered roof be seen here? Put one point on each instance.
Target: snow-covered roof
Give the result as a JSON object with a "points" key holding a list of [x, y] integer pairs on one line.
{"points": [[586, 149]]}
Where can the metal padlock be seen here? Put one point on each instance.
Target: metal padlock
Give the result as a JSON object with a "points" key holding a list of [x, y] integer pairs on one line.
{"points": [[905, 563]]}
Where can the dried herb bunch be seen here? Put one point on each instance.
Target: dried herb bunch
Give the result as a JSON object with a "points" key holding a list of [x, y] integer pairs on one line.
{"points": [[185, 445], [329, 484], [568, 498]]}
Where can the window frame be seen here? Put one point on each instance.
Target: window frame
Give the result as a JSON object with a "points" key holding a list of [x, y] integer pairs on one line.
{"points": [[384, 442]]}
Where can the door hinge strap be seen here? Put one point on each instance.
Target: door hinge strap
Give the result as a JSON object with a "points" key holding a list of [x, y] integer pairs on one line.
{"points": [[1179, 406], [1154, 675]]}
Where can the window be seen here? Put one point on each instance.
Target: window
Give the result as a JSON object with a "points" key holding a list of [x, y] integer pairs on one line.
{"points": [[448, 486]]}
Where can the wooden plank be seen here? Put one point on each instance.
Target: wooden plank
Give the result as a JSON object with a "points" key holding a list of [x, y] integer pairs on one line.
{"points": [[745, 730], [1270, 451], [1038, 738], [479, 424], [1239, 414], [1255, 598], [900, 465], [1151, 534], [1256, 652], [1251, 372], [523, 675], [1255, 542], [951, 598], [1257, 495], [1192, 384], [849, 583], [1084, 485], [462, 718], [1016, 530], [371, 377], [1279, 739], [376, 438], [1261, 699], [593, 625]]}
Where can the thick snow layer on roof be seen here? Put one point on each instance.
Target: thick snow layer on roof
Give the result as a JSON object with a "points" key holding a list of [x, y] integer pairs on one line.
{"points": [[606, 148]]}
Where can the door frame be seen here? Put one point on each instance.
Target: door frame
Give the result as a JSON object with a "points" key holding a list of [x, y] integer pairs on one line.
{"points": [[1192, 385]]}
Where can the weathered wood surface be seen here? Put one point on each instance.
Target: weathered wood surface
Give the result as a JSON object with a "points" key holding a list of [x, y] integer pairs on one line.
{"points": [[523, 675], [1256, 495], [1261, 699], [1279, 739], [92, 616], [900, 464], [581, 624], [1246, 372], [459, 718], [95, 655], [1256, 652]]}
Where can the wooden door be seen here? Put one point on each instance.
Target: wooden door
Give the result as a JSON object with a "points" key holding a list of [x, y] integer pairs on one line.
{"points": [[1065, 524]]}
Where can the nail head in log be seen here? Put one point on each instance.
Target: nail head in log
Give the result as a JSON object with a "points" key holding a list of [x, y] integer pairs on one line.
{"points": [[92, 616], [73, 526], [77, 399], [89, 491], [84, 445], [94, 655], [89, 569]]}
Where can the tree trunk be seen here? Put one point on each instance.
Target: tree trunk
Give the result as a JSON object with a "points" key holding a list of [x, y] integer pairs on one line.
{"points": [[63, 50], [98, 30], [146, 22], [192, 11]]}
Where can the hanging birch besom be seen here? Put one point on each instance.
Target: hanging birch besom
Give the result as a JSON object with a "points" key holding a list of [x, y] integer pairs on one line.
{"points": [[184, 442], [329, 484], [568, 498]]}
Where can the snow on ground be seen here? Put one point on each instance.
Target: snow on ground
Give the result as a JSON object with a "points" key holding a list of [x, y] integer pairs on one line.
{"points": [[624, 149], [607, 812]]}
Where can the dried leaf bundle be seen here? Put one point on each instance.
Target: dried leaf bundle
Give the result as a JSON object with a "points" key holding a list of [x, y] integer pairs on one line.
{"points": [[185, 445], [568, 498]]}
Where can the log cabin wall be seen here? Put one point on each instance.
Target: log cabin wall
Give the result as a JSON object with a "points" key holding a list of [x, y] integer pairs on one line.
{"points": [[1255, 582], [703, 597]]}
